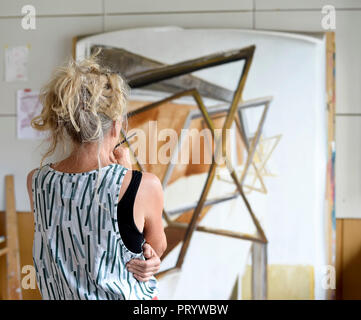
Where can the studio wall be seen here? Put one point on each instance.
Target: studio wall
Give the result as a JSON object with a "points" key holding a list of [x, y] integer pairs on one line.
{"points": [[58, 22]]}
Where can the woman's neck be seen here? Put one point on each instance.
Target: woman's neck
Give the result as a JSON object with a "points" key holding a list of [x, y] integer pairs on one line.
{"points": [[85, 158]]}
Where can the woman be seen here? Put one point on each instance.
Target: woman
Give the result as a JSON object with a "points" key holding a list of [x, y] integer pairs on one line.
{"points": [[93, 214]]}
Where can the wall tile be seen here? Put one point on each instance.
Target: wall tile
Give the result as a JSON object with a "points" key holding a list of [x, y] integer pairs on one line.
{"points": [[305, 4], [348, 169], [189, 20], [116, 6], [348, 48], [50, 44], [51, 7]]}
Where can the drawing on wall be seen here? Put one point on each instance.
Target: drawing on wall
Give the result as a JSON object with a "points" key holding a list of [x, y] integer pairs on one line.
{"points": [[28, 106], [16, 63], [259, 168]]}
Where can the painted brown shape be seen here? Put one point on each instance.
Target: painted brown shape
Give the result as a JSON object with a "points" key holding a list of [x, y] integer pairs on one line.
{"points": [[172, 115]]}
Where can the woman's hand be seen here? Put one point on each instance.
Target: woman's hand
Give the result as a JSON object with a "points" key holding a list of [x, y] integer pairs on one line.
{"points": [[143, 270], [121, 156]]}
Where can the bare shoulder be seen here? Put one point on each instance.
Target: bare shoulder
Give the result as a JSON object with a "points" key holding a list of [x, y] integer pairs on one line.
{"points": [[151, 193], [151, 183], [30, 178], [150, 186]]}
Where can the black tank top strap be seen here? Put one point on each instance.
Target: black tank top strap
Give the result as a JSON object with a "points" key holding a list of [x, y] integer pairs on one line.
{"points": [[131, 192], [129, 232]]}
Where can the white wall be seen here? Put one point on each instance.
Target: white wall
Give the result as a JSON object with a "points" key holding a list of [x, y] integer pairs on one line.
{"points": [[50, 44], [306, 16], [59, 21]]}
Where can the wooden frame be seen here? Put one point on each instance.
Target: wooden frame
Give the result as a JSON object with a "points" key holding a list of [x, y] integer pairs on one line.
{"points": [[12, 243], [330, 180]]}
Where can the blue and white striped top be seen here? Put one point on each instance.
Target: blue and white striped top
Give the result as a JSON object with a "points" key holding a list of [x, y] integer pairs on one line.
{"points": [[78, 252]]}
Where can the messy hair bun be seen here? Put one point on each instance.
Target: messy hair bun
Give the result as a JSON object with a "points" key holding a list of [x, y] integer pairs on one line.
{"points": [[81, 100]]}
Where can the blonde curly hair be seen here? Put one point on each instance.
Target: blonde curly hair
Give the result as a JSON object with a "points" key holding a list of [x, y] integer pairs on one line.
{"points": [[81, 100]]}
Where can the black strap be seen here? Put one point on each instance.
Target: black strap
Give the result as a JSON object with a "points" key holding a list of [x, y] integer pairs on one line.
{"points": [[131, 192], [131, 236]]}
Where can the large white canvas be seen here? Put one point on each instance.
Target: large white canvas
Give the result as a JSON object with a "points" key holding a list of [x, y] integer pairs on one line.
{"points": [[291, 68]]}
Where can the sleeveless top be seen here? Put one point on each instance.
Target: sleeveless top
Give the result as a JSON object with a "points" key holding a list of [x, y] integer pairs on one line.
{"points": [[78, 251]]}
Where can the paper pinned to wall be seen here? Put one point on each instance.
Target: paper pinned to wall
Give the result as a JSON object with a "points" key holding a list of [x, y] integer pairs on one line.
{"points": [[16, 63], [28, 106]]}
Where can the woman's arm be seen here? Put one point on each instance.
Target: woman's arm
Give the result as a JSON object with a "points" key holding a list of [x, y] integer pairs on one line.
{"points": [[150, 202], [143, 270]]}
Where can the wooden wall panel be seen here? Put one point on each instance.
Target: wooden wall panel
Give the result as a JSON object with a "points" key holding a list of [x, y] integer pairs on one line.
{"points": [[12, 242], [3, 287], [25, 230], [339, 244], [285, 282], [348, 256]]}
